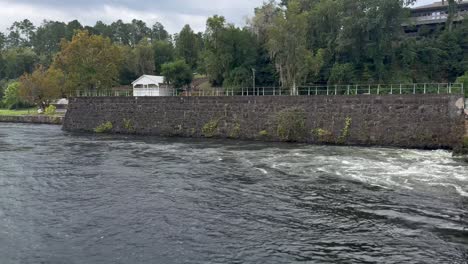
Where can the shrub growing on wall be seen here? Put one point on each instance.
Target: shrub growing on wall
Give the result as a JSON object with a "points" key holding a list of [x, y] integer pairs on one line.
{"points": [[291, 124]]}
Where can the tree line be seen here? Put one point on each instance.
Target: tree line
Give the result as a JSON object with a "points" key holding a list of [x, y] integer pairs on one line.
{"points": [[288, 43]]}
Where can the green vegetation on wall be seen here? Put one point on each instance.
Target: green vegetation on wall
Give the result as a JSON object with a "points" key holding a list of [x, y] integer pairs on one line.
{"points": [[210, 129], [291, 124], [104, 127], [128, 125]]}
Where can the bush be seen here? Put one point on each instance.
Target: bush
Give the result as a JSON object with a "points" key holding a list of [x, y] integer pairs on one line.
{"points": [[50, 110], [263, 133], [104, 127], [210, 128], [323, 136], [128, 125], [235, 132], [345, 132], [291, 124]]}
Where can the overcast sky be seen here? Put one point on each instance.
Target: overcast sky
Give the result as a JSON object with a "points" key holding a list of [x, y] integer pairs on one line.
{"points": [[173, 14]]}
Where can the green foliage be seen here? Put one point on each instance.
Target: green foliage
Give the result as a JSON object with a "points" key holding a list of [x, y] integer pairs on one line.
{"points": [[50, 110], [143, 58], [465, 142], [104, 127], [163, 53], [128, 125], [188, 46], [323, 136], [291, 124], [235, 132], [342, 74], [263, 133], [210, 129], [89, 62], [345, 131], [288, 43], [11, 97], [177, 73], [464, 80]]}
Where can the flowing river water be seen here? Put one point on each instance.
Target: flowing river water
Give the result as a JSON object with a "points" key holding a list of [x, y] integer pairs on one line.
{"points": [[80, 198]]}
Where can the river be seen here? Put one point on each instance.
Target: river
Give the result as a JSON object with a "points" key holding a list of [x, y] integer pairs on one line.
{"points": [[81, 198]]}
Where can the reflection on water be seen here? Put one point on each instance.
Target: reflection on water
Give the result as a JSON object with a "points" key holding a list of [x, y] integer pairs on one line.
{"points": [[68, 198]]}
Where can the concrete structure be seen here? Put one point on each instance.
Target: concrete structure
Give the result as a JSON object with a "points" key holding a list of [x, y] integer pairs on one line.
{"points": [[412, 121], [33, 119], [434, 15], [150, 85]]}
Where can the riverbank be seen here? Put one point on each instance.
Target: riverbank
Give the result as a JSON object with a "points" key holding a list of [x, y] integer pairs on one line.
{"points": [[33, 119]]}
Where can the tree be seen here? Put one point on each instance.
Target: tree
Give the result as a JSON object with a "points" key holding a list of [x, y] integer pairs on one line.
{"points": [[159, 33], [177, 73], [46, 40], [11, 96], [41, 87], [138, 31], [72, 28], [21, 34], [163, 53], [120, 32], [3, 41], [287, 46], [89, 62], [187, 46], [18, 61], [143, 55]]}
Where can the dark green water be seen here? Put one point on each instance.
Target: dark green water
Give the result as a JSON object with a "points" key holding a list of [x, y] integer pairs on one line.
{"points": [[70, 198]]}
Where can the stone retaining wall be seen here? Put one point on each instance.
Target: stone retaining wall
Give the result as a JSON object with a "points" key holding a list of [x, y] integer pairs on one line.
{"points": [[35, 119], [413, 121]]}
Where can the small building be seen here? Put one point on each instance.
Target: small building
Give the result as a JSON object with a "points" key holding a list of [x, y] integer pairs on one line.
{"points": [[433, 15], [150, 85]]}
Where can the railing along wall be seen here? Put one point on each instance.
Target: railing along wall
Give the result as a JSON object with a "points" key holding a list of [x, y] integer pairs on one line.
{"points": [[314, 90]]}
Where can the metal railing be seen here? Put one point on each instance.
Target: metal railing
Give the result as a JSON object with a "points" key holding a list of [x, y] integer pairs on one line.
{"points": [[314, 90]]}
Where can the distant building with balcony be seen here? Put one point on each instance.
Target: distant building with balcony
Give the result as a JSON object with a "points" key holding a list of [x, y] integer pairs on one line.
{"points": [[434, 16]]}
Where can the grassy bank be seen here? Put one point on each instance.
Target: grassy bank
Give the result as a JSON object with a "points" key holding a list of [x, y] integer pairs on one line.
{"points": [[20, 112]]}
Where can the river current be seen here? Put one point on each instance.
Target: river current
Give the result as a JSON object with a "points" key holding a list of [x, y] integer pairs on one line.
{"points": [[81, 198]]}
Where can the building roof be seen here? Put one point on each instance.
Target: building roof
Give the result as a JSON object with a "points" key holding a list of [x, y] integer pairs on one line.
{"points": [[436, 5], [154, 78]]}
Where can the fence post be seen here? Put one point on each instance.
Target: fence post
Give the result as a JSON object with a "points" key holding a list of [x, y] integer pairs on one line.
{"points": [[450, 88], [327, 89], [316, 90], [391, 88], [424, 88], [401, 90], [356, 89], [308, 92], [378, 89], [336, 89], [347, 89], [414, 88], [438, 88], [462, 88], [369, 90]]}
